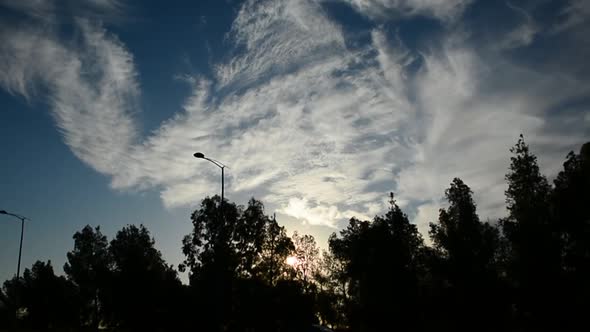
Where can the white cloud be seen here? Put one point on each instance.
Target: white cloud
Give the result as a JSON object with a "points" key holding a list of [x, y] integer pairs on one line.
{"points": [[41, 9], [92, 89], [189, 192], [106, 4], [47, 11], [524, 33], [446, 10], [472, 123], [279, 36], [303, 122], [576, 13], [318, 215], [426, 213]]}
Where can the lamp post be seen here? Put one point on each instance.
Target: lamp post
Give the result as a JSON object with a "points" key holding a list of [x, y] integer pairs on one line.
{"points": [[22, 230], [199, 155]]}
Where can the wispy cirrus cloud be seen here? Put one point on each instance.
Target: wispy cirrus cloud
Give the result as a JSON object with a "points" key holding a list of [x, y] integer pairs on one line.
{"points": [[92, 88], [445, 10], [50, 11], [524, 33], [576, 13], [304, 122]]}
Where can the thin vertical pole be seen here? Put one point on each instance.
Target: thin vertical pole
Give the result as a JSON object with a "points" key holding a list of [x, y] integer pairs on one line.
{"points": [[222, 183], [22, 230]]}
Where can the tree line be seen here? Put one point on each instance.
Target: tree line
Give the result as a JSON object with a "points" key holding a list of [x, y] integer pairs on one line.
{"points": [[528, 271]]}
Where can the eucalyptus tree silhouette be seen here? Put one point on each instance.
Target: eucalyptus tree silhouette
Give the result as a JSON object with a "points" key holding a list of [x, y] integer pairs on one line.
{"points": [[237, 268], [381, 262], [142, 284], [534, 275], [89, 266]]}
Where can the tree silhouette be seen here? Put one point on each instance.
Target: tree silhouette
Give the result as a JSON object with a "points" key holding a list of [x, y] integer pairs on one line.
{"points": [[378, 274], [332, 294], [142, 282], [89, 267], [210, 258], [47, 301], [209, 249], [535, 254], [570, 201], [233, 262], [276, 247], [382, 262], [249, 236], [7, 310], [307, 257], [468, 249]]}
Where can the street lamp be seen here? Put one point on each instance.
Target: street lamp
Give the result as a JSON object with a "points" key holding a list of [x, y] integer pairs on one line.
{"points": [[22, 230], [199, 155]]}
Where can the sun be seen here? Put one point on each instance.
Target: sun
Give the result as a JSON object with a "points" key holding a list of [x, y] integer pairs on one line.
{"points": [[292, 261]]}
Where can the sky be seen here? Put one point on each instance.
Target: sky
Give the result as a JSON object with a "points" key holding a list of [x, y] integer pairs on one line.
{"points": [[319, 108]]}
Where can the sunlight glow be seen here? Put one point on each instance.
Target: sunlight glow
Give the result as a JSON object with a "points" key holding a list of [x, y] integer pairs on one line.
{"points": [[292, 261]]}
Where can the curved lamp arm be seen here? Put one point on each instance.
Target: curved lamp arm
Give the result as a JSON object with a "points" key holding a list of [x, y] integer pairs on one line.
{"points": [[219, 164], [14, 215], [215, 162]]}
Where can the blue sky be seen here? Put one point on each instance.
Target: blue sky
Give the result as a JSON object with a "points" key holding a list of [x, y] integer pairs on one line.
{"points": [[319, 108]]}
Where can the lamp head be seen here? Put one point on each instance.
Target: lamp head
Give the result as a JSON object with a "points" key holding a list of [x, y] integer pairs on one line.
{"points": [[199, 155], [3, 212]]}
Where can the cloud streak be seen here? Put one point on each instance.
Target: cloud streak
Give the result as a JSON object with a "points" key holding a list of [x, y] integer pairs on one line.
{"points": [[92, 88], [445, 10], [304, 122]]}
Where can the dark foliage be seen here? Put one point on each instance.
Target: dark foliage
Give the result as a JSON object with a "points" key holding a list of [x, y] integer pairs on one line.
{"points": [[534, 257], [466, 251], [142, 284], [47, 301], [381, 268], [89, 267], [528, 272]]}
